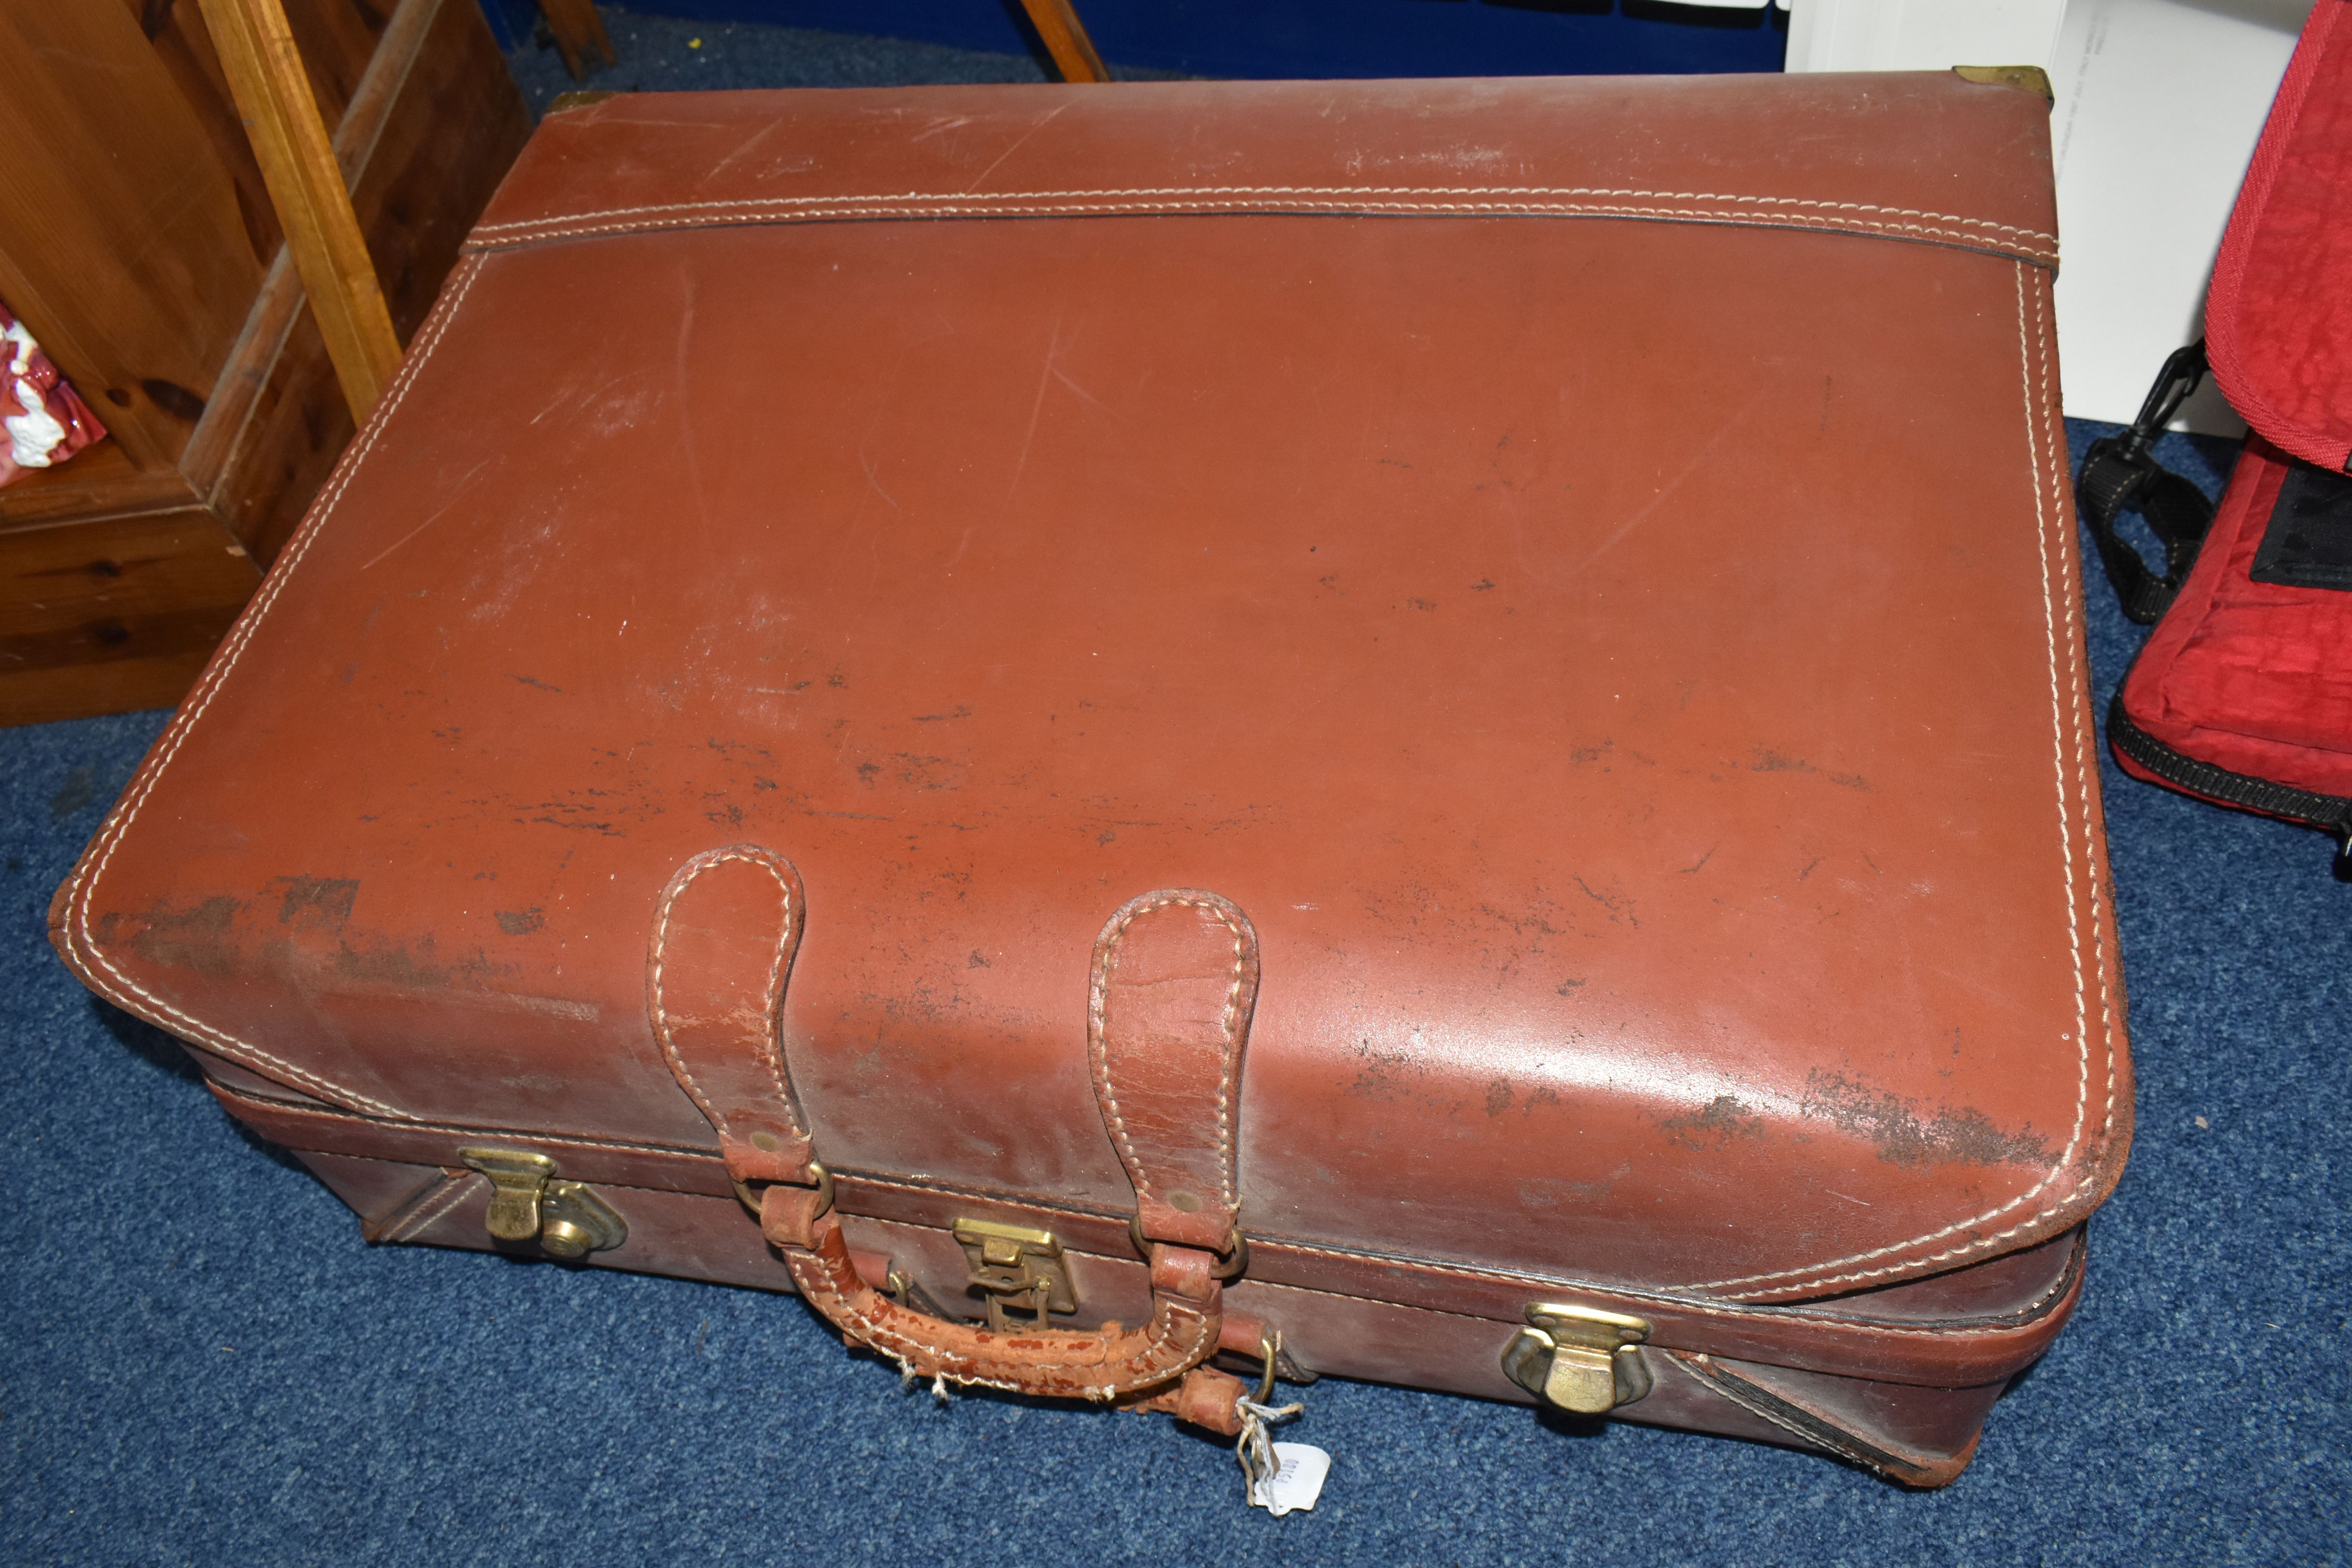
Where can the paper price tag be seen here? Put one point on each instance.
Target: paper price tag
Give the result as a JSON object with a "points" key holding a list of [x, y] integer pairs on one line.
{"points": [[1296, 1483]]}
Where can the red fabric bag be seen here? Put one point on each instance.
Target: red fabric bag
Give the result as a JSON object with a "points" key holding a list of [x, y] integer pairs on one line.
{"points": [[2243, 693]]}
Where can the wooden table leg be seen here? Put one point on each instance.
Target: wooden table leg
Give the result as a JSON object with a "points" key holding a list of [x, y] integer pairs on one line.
{"points": [[1058, 24]]}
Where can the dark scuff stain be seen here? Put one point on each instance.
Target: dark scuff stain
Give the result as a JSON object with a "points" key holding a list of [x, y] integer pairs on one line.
{"points": [[1615, 901], [1724, 1120], [1546, 1193], [1499, 1096], [959, 711], [79, 789], [866, 772], [391, 964], [606, 829], [195, 939], [521, 922], [1590, 754], [1382, 1076], [1904, 1137], [539, 684], [727, 816], [1768, 761], [314, 903], [1482, 585], [760, 784], [977, 959], [1422, 604], [928, 773], [1565, 986]]}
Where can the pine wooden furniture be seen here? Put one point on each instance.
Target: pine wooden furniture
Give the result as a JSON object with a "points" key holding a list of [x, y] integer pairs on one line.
{"points": [[138, 242]]}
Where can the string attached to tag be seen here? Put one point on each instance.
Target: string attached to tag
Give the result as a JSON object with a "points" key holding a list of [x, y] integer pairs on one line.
{"points": [[1279, 1477]]}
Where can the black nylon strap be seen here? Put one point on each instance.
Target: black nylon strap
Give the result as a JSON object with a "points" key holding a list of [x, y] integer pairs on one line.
{"points": [[2119, 475]]}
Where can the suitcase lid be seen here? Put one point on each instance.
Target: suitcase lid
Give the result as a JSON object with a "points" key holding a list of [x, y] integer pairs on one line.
{"points": [[2278, 319], [1584, 565]]}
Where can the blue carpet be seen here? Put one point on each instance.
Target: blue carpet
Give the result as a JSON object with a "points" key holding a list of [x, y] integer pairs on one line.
{"points": [[201, 1363]]}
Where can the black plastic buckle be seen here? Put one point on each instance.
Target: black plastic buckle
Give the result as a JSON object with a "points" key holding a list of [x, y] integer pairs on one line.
{"points": [[2181, 375]]}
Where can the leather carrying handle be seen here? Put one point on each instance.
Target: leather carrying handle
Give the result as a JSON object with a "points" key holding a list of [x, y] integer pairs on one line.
{"points": [[1174, 981], [1111, 1363]]}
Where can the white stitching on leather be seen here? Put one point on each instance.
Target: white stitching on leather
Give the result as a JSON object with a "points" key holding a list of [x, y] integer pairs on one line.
{"points": [[1325, 191], [423, 1218], [1729, 1389], [690, 873], [78, 936], [2035, 367], [409, 1124], [1761, 1317], [1098, 1036], [845, 209]]}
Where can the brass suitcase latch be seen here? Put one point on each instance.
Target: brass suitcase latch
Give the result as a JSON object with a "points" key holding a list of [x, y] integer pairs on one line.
{"points": [[1578, 1358], [530, 1203], [1012, 1266]]}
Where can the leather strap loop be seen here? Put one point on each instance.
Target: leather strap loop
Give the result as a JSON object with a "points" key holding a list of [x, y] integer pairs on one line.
{"points": [[1175, 980], [1175, 976], [725, 932]]}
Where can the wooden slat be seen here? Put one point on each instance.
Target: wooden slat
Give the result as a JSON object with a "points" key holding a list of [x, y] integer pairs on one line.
{"points": [[1066, 40], [97, 481], [306, 187], [104, 618], [279, 305], [437, 122]]}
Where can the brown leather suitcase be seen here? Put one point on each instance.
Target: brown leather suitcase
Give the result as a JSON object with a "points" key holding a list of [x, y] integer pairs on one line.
{"points": [[1456, 709]]}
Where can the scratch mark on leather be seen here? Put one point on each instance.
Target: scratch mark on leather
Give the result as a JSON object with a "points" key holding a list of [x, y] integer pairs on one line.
{"points": [[1028, 437], [1064, 378], [943, 124], [1018, 142], [868, 464], [439, 512], [749, 142], [685, 404], [1698, 459]]}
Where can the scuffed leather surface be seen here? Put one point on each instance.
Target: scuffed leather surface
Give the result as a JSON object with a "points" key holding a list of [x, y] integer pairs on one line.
{"points": [[1645, 726]]}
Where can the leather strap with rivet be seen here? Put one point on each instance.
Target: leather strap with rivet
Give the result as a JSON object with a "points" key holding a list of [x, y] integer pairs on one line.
{"points": [[1174, 980]]}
